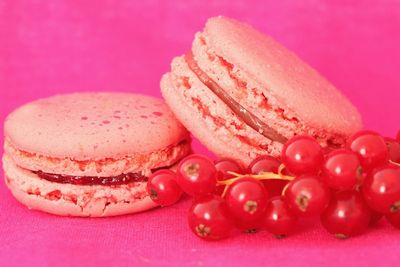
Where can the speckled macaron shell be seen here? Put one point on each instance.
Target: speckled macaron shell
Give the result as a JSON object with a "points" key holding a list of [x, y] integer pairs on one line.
{"points": [[265, 78], [95, 134], [286, 81], [87, 126]]}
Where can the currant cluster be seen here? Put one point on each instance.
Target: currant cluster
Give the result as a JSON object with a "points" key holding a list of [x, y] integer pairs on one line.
{"points": [[348, 189]]}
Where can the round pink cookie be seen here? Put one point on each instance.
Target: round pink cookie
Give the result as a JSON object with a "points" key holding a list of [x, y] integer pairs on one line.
{"points": [[242, 94], [89, 154]]}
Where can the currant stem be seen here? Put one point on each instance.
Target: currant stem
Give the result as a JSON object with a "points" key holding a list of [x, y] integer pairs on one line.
{"points": [[262, 176], [282, 167], [225, 190], [284, 189], [394, 163]]}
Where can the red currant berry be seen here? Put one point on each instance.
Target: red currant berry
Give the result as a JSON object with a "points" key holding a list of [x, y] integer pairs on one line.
{"points": [[246, 199], [278, 219], [264, 164], [346, 215], [274, 187], [327, 150], [394, 149], [398, 136], [197, 175], [209, 218], [375, 217], [249, 227], [163, 188], [381, 189], [394, 219], [223, 166], [342, 170], [307, 196], [302, 155], [371, 149]]}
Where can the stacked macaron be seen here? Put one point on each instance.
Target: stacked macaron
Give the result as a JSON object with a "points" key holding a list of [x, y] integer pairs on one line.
{"points": [[242, 94], [89, 154]]}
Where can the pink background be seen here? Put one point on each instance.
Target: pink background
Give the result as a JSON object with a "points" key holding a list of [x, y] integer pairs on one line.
{"points": [[49, 47]]}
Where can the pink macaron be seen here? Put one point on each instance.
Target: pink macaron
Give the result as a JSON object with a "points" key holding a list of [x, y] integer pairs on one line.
{"points": [[242, 94], [89, 154]]}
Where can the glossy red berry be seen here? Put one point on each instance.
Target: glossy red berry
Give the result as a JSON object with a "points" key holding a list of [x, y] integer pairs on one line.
{"points": [[398, 136], [302, 155], [394, 149], [342, 170], [346, 215], [163, 188], [209, 218], [381, 189], [279, 219], [246, 199], [275, 187], [307, 196], [264, 164], [223, 166], [249, 227], [371, 149], [375, 217], [196, 175], [394, 219]]}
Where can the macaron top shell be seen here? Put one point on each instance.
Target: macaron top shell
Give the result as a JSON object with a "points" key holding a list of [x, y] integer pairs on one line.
{"points": [[85, 126], [296, 87]]}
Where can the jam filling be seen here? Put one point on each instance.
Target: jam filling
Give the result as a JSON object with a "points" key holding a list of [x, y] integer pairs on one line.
{"points": [[249, 118], [92, 180]]}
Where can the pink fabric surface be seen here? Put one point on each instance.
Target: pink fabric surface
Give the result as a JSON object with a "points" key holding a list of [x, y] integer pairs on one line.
{"points": [[49, 47]]}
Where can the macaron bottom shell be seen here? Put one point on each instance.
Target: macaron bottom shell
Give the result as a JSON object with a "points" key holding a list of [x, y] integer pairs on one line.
{"points": [[74, 200]]}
